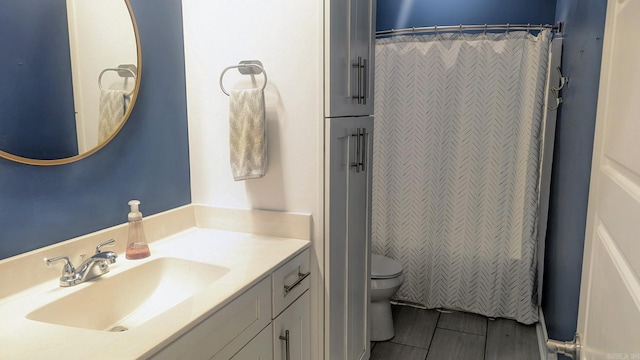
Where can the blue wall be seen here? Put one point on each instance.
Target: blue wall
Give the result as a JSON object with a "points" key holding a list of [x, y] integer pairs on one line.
{"points": [[148, 160], [395, 14], [36, 95], [584, 29]]}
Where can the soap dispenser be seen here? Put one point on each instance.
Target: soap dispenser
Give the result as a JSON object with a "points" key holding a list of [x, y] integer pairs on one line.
{"points": [[137, 247]]}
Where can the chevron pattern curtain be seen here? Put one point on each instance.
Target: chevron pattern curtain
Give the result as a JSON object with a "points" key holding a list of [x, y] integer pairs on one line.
{"points": [[456, 164]]}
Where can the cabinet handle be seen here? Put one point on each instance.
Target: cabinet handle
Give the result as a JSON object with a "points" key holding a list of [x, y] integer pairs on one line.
{"points": [[356, 150], [363, 150], [358, 65], [286, 343], [364, 82], [301, 277]]}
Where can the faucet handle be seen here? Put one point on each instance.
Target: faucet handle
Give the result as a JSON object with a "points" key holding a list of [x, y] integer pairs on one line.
{"points": [[67, 269], [107, 243]]}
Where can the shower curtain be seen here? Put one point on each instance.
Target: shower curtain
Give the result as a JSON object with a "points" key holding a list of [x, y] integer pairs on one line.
{"points": [[456, 167]]}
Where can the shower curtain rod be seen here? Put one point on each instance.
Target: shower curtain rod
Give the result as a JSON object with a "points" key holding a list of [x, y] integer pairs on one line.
{"points": [[453, 28]]}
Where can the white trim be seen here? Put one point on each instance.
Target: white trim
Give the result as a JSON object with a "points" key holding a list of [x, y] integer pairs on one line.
{"points": [[543, 336]]}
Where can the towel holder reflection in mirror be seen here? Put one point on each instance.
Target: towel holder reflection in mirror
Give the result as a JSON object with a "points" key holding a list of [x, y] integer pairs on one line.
{"points": [[245, 67], [124, 71]]}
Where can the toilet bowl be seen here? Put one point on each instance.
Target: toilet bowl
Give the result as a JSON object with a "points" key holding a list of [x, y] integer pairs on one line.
{"points": [[386, 278]]}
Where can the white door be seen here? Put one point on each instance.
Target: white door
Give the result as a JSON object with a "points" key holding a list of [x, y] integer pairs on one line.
{"points": [[349, 49], [349, 144], [609, 316], [294, 322]]}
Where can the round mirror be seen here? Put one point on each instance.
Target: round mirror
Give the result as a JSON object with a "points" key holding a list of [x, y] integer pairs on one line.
{"points": [[70, 77]]}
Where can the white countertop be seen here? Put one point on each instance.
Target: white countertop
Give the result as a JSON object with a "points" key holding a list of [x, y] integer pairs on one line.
{"points": [[249, 257]]}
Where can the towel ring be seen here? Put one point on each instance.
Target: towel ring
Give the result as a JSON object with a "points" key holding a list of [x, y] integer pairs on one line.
{"points": [[119, 70], [246, 67]]}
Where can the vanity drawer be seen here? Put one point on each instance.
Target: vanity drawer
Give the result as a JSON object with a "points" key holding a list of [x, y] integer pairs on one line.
{"points": [[290, 281], [226, 331]]}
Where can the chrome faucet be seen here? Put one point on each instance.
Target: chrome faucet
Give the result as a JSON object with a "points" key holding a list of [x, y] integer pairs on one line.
{"points": [[91, 268]]}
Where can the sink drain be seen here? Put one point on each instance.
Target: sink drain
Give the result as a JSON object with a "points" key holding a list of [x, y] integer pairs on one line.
{"points": [[118, 329]]}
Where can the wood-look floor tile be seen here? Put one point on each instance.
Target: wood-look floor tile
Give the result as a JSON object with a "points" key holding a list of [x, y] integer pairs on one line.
{"points": [[414, 327], [507, 339], [456, 345], [463, 321], [390, 351]]}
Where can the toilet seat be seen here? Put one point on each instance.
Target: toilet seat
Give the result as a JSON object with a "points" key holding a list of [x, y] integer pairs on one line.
{"points": [[383, 267]]}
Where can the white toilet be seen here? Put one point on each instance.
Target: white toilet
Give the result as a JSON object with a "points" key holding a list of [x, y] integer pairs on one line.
{"points": [[386, 278]]}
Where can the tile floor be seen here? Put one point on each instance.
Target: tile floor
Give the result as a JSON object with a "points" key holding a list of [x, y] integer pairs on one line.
{"points": [[431, 335]]}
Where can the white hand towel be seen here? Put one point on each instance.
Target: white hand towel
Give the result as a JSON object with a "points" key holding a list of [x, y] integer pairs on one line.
{"points": [[247, 134], [113, 105]]}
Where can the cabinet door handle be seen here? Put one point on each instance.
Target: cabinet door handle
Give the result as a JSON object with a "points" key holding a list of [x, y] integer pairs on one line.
{"points": [[358, 65], [363, 150], [364, 82], [356, 151], [359, 80], [301, 277], [286, 344]]}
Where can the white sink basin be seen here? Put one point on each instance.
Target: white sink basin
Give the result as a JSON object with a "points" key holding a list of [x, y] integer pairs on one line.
{"points": [[132, 297]]}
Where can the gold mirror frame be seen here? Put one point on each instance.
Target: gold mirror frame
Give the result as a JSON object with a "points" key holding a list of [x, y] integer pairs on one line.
{"points": [[134, 96]]}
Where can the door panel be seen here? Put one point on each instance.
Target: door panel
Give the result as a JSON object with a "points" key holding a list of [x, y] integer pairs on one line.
{"points": [[348, 231], [623, 225], [364, 43], [336, 185], [296, 320], [257, 349], [622, 136], [356, 266], [610, 293], [614, 317], [349, 30]]}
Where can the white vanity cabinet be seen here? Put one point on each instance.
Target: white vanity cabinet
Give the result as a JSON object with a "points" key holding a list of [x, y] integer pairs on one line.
{"points": [[349, 53], [225, 332], [291, 331], [291, 306], [257, 349], [243, 329]]}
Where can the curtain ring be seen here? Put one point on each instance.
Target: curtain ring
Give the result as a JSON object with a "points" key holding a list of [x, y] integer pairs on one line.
{"points": [[460, 29], [563, 80], [558, 103], [485, 29], [529, 28], [508, 28]]}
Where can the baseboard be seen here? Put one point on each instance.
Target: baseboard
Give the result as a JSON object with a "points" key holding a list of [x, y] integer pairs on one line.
{"points": [[541, 331]]}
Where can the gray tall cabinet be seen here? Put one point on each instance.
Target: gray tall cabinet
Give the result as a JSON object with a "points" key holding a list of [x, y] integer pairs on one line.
{"points": [[349, 61]]}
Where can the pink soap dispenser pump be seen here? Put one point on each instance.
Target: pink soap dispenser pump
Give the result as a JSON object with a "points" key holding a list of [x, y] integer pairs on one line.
{"points": [[137, 247]]}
